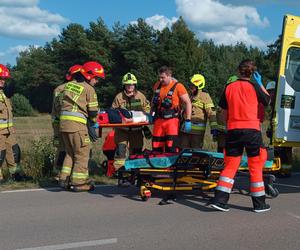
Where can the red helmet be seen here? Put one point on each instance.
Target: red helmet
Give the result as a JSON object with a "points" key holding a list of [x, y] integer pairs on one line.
{"points": [[92, 69], [4, 72], [72, 70]]}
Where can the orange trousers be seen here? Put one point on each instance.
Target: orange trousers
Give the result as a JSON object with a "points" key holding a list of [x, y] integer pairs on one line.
{"points": [[165, 135]]}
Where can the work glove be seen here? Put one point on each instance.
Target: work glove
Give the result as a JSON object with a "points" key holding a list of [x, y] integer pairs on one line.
{"points": [[214, 133], [257, 78], [187, 126]]}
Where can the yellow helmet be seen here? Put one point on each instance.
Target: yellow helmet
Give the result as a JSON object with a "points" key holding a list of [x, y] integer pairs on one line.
{"points": [[198, 80], [129, 79], [231, 79]]}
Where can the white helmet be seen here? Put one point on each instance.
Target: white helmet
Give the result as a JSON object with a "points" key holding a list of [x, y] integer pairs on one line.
{"points": [[271, 85]]}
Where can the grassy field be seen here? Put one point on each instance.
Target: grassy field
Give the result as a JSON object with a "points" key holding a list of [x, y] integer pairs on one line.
{"points": [[34, 135]]}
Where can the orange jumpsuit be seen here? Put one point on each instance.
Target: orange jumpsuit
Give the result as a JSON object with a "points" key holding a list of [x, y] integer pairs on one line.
{"points": [[166, 105]]}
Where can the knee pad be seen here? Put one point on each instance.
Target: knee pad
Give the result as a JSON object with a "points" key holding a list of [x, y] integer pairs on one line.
{"points": [[60, 159], [17, 153], [2, 156], [121, 151]]}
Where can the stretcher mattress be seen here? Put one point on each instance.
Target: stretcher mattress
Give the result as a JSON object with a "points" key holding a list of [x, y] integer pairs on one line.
{"points": [[160, 161]]}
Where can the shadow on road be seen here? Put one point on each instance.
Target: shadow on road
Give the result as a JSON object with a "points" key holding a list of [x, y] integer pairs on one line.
{"points": [[195, 199]]}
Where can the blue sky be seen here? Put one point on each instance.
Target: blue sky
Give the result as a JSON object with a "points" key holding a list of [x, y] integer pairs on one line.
{"points": [[34, 22]]}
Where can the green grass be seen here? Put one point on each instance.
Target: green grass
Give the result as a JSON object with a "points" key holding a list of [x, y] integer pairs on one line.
{"points": [[34, 135]]}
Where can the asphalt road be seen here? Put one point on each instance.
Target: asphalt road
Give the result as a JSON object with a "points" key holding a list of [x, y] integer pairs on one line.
{"points": [[115, 218]]}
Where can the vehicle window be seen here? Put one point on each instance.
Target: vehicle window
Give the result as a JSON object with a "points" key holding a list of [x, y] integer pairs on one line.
{"points": [[292, 69]]}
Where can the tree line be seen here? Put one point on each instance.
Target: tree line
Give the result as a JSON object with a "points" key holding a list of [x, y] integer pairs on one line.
{"points": [[135, 48]]}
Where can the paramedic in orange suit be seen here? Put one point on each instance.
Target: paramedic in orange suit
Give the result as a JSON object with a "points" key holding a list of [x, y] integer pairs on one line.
{"points": [[240, 102], [169, 96]]}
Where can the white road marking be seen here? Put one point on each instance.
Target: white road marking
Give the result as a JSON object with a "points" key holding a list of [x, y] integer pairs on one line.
{"points": [[294, 215], [286, 185], [44, 189], [30, 190], [74, 245]]}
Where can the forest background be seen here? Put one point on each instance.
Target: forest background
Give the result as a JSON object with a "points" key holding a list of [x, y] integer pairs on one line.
{"points": [[135, 48]]}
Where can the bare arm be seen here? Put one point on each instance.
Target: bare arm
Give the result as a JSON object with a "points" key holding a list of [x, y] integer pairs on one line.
{"points": [[188, 106]]}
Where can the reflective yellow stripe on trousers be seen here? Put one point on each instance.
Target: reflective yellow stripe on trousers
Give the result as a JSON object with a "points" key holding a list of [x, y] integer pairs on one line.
{"points": [[73, 116], [198, 126], [66, 170], [80, 176], [6, 123]]}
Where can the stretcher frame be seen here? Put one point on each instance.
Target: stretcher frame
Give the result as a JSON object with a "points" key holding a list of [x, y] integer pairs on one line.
{"points": [[201, 177]]}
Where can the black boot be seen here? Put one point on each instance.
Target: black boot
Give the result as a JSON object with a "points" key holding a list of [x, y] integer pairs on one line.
{"points": [[220, 201], [20, 177], [259, 204]]}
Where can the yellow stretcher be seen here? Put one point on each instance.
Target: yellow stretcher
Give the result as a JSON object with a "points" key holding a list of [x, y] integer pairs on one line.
{"points": [[191, 170]]}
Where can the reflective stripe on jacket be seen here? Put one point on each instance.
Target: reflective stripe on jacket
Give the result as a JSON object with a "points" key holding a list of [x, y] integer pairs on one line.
{"points": [[6, 115], [79, 103], [73, 116]]}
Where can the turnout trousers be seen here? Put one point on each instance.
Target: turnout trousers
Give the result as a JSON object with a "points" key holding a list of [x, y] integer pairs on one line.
{"points": [[131, 140], [191, 140], [10, 152], [60, 153], [76, 160]]}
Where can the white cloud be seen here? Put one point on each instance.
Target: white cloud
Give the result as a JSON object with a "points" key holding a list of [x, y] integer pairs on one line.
{"points": [[20, 48], [233, 37], [24, 19], [11, 53], [223, 23], [18, 2], [261, 2], [160, 22]]}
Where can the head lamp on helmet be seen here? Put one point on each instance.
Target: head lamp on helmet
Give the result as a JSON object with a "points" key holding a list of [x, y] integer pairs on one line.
{"points": [[92, 70], [198, 80], [129, 79]]}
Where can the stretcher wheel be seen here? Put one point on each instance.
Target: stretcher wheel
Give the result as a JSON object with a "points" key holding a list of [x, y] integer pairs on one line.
{"points": [[271, 191], [145, 193]]}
